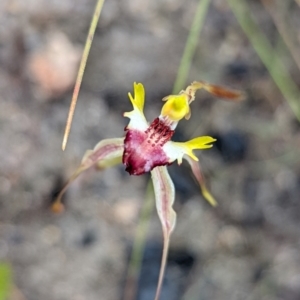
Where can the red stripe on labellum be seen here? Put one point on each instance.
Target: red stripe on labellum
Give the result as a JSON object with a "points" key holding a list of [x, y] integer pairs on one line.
{"points": [[143, 149]]}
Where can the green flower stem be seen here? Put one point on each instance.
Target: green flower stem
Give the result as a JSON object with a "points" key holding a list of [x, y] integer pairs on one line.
{"points": [[6, 280], [139, 244], [148, 206]]}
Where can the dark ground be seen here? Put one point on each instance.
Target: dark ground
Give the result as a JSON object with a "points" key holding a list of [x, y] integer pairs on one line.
{"points": [[247, 248]]}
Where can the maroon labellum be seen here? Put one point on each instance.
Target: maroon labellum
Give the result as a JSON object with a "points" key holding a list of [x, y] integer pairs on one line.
{"points": [[143, 149]]}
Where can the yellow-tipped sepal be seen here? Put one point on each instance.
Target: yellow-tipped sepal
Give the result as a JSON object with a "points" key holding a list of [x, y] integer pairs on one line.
{"points": [[136, 116], [200, 178], [203, 142], [176, 150], [139, 96]]}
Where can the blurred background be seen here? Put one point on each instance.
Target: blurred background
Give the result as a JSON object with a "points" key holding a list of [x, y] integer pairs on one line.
{"points": [[246, 248]]}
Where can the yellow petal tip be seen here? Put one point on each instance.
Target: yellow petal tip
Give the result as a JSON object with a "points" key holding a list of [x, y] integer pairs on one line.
{"points": [[207, 195]]}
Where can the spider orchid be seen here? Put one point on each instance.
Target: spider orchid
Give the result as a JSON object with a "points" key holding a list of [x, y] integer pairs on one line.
{"points": [[148, 148]]}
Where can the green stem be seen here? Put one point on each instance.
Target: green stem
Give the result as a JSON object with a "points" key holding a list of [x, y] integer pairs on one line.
{"points": [[139, 244], [148, 206], [191, 45]]}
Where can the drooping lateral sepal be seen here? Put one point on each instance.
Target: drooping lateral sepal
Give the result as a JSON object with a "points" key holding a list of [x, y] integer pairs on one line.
{"points": [[105, 151], [105, 154], [200, 178], [164, 198]]}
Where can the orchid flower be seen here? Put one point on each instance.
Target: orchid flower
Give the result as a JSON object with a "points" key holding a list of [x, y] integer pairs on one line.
{"points": [[148, 148]]}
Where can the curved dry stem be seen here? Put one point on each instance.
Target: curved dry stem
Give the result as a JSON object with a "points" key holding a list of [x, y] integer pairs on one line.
{"points": [[84, 58]]}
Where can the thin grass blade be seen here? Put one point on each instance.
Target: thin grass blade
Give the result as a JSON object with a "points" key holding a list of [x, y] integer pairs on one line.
{"points": [[267, 55], [83, 61], [191, 45], [139, 244]]}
